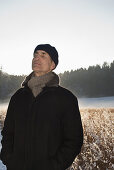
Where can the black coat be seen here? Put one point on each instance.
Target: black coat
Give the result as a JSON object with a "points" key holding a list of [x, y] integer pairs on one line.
{"points": [[42, 133]]}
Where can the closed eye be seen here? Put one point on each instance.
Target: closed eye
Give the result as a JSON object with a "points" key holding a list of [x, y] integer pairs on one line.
{"points": [[43, 53]]}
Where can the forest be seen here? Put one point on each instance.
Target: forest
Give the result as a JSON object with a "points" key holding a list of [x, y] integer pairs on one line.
{"points": [[94, 81]]}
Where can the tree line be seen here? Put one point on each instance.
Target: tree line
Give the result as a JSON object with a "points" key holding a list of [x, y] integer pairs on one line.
{"points": [[9, 84], [95, 81]]}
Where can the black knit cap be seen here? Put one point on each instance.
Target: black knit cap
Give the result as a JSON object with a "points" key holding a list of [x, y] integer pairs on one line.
{"points": [[50, 50]]}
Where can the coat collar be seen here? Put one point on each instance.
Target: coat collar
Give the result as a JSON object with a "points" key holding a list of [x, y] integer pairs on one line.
{"points": [[45, 90]]}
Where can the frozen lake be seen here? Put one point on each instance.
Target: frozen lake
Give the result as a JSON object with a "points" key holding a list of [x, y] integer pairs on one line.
{"points": [[83, 102], [102, 102]]}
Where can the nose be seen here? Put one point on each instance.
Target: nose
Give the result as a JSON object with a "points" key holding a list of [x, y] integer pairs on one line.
{"points": [[36, 57]]}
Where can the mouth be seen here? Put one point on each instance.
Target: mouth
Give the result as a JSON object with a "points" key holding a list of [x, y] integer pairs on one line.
{"points": [[36, 64]]}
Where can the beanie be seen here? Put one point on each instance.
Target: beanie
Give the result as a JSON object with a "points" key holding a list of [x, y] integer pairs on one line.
{"points": [[50, 50]]}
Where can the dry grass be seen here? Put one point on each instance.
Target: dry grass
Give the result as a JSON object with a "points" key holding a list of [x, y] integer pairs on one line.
{"points": [[2, 117], [97, 149]]}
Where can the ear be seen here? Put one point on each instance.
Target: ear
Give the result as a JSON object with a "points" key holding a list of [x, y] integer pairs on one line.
{"points": [[53, 65]]}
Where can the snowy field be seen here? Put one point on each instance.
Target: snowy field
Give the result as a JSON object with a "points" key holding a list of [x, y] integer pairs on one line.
{"points": [[2, 167], [97, 119]]}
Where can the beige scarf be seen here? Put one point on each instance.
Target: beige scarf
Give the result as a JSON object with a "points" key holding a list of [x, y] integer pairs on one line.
{"points": [[36, 83]]}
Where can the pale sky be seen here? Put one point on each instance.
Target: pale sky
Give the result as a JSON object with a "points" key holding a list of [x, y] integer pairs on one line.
{"points": [[81, 30]]}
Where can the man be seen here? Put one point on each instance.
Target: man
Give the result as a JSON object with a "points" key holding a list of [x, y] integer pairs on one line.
{"points": [[42, 129]]}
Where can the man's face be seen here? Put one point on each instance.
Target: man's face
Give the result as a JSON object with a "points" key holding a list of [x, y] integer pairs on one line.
{"points": [[42, 63]]}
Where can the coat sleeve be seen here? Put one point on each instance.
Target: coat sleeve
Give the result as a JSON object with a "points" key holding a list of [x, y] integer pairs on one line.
{"points": [[7, 133], [72, 137]]}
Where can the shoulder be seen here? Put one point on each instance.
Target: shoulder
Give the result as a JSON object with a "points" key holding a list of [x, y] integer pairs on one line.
{"points": [[67, 98], [65, 91], [19, 93], [67, 94]]}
